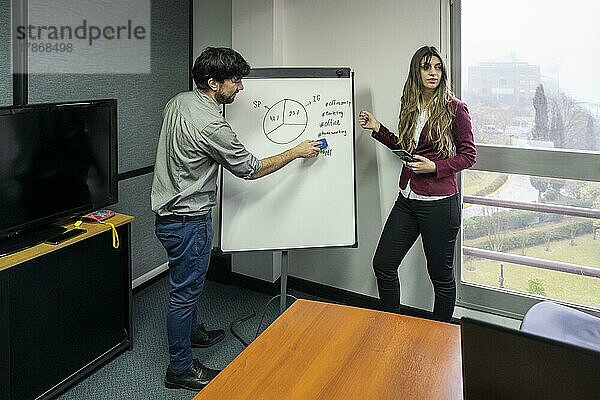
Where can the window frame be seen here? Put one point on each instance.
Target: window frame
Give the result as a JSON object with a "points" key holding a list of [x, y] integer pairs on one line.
{"points": [[551, 163]]}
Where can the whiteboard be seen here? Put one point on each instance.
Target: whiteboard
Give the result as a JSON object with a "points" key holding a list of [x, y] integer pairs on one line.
{"points": [[310, 202]]}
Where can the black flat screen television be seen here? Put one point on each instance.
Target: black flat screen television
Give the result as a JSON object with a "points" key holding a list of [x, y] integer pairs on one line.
{"points": [[56, 160]]}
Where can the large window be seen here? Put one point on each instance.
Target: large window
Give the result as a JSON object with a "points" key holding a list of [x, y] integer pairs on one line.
{"points": [[531, 212]]}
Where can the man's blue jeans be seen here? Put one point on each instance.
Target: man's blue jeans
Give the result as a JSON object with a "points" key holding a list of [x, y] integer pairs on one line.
{"points": [[188, 244]]}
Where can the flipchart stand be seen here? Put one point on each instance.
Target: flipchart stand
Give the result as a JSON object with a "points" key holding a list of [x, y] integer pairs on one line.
{"points": [[283, 298]]}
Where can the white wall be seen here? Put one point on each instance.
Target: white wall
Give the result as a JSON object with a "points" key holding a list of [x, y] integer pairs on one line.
{"points": [[376, 39], [212, 24], [252, 27]]}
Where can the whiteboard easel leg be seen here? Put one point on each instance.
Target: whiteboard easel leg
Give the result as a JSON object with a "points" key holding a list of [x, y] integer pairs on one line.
{"points": [[284, 267]]}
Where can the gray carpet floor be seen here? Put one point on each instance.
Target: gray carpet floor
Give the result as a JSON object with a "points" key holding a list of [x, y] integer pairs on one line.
{"points": [[138, 374]]}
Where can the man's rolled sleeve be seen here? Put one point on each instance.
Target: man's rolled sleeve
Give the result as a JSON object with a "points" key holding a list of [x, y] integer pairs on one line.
{"points": [[227, 150]]}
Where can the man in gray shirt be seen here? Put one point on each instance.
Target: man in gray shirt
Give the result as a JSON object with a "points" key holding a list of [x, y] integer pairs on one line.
{"points": [[194, 140]]}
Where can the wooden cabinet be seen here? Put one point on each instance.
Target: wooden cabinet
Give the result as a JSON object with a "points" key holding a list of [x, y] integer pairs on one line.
{"points": [[65, 310]]}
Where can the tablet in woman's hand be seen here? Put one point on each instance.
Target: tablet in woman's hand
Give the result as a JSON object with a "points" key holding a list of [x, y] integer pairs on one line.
{"points": [[404, 155]]}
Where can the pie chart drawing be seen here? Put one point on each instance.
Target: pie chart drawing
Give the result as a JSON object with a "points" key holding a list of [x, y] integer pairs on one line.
{"points": [[285, 121]]}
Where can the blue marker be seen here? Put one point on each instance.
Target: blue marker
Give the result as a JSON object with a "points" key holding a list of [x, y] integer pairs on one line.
{"points": [[322, 143]]}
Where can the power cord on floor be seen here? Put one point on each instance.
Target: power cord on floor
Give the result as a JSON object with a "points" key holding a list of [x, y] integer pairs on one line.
{"points": [[240, 321], [287, 296]]}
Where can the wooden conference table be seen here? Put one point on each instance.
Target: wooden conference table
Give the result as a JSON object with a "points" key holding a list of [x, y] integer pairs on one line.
{"points": [[317, 350]]}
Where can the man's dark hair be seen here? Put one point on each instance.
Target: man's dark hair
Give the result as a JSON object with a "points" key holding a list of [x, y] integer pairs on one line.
{"points": [[219, 63]]}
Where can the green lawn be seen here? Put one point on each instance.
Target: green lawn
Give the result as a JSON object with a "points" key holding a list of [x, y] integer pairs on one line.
{"points": [[474, 181], [478, 181], [557, 285]]}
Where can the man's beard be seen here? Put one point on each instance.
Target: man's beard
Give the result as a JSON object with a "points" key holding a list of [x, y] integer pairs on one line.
{"points": [[222, 99]]}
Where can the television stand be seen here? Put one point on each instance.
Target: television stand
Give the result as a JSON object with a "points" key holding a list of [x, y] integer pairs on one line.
{"points": [[28, 238], [66, 307]]}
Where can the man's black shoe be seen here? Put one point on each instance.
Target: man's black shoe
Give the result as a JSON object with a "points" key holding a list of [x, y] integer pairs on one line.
{"points": [[205, 338], [195, 378]]}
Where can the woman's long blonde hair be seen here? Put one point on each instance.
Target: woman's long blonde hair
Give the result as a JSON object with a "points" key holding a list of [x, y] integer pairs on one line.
{"points": [[441, 113]]}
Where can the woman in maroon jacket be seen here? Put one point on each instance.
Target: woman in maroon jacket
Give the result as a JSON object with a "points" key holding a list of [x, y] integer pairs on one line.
{"points": [[435, 127]]}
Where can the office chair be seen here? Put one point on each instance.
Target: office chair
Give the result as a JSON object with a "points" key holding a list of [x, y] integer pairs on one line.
{"points": [[563, 323]]}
